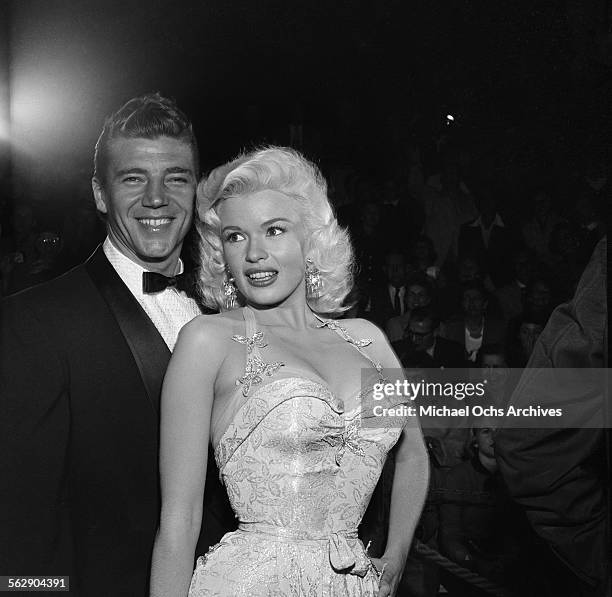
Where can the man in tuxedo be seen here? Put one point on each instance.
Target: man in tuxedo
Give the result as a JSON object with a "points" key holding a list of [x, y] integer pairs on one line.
{"points": [[487, 238], [389, 299], [82, 359]]}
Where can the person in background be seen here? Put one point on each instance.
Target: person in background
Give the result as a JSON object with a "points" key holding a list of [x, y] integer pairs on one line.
{"points": [[422, 257], [567, 264], [421, 345], [487, 238], [42, 265], [523, 334], [475, 328], [511, 296], [559, 475], [480, 527], [537, 230], [496, 372], [389, 298], [419, 293], [446, 209]]}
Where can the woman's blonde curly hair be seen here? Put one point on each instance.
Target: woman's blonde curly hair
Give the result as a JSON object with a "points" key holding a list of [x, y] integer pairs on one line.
{"points": [[286, 171]]}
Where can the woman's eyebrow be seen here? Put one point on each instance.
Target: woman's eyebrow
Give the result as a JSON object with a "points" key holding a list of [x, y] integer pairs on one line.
{"points": [[280, 219]]}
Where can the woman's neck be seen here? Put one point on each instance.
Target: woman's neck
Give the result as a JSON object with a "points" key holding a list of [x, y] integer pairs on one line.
{"points": [[296, 317]]}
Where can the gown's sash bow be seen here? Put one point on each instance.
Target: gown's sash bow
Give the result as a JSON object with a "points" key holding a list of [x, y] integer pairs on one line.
{"points": [[346, 551]]}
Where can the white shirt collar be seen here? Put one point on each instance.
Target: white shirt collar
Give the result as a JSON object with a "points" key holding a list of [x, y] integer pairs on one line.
{"points": [[129, 271]]}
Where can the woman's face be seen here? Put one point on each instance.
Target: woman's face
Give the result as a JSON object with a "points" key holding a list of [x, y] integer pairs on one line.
{"points": [[263, 240]]}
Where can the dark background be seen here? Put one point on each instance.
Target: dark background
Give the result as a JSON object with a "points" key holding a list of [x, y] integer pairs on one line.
{"points": [[528, 83]]}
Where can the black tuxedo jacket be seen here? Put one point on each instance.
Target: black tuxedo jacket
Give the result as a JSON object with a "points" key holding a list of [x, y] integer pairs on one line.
{"points": [[494, 333], [81, 369], [496, 258], [447, 354], [381, 306]]}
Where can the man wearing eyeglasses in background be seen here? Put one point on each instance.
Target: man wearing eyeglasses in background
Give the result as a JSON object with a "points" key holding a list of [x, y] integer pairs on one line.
{"points": [[422, 347]]}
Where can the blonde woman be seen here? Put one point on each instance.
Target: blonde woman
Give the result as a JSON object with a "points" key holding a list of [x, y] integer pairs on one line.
{"points": [[278, 388]]}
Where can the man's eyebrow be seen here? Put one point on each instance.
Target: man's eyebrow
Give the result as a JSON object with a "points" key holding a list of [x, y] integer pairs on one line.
{"points": [[178, 170], [125, 171]]}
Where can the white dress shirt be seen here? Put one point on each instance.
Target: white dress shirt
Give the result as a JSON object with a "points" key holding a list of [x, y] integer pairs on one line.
{"points": [[473, 345], [486, 232], [169, 310]]}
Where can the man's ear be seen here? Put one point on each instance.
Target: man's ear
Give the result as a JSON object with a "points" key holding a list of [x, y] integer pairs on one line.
{"points": [[98, 193]]}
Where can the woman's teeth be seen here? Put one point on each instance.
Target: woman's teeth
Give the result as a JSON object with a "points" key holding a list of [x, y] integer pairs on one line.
{"points": [[261, 275]]}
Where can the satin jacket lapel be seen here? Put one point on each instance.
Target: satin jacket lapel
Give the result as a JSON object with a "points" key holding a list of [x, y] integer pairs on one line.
{"points": [[150, 352]]}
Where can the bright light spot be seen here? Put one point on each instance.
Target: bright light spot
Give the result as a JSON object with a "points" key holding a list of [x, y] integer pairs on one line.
{"points": [[450, 117]]}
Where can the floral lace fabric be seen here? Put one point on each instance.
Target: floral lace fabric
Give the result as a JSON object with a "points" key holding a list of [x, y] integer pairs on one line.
{"points": [[299, 469]]}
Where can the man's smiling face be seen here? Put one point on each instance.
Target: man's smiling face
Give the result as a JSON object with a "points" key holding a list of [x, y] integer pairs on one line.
{"points": [[148, 197]]}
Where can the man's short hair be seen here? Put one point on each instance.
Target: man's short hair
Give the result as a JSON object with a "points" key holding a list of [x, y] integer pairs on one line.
{"points": [[422, 280], [474, 285], [149, 116]]}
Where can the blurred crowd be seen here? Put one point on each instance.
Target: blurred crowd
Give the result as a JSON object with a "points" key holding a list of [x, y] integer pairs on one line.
{"points": [[461, 278]]}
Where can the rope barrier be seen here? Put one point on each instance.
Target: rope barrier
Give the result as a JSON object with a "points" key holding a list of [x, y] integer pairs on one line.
{"points": [[431, 555]]}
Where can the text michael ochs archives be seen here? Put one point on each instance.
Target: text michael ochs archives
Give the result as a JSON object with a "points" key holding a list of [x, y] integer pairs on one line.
{"points": [[403, 390]]}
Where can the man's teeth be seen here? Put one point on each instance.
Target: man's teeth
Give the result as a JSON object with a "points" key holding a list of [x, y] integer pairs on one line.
{"points": [[155, 221], [261, 275]]}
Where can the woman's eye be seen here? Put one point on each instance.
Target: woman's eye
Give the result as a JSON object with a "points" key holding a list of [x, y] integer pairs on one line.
{"points": [[275, 230], [232, 237]]}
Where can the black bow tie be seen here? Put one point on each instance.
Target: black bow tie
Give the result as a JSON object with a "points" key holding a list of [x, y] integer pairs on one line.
{"points": [[153, 282]]}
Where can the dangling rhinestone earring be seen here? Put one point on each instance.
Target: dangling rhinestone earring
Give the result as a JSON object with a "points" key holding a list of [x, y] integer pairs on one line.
{"points": [[312, 276], [229, 290]]}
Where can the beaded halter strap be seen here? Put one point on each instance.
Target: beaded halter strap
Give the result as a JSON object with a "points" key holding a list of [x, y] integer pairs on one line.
{"points": [[333, 324], [256, 368]]}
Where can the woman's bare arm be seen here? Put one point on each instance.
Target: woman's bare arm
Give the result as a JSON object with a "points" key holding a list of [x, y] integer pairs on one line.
{"points": [[411, 477], [186, 407]]}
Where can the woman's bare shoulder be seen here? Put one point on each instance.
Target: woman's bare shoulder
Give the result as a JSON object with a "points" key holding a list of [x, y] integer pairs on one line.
{"points": [[216, 327], [362, 328], [379, 349]]}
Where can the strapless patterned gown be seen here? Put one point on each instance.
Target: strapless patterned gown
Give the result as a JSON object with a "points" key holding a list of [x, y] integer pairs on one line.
{"points": [[299, 467]]}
